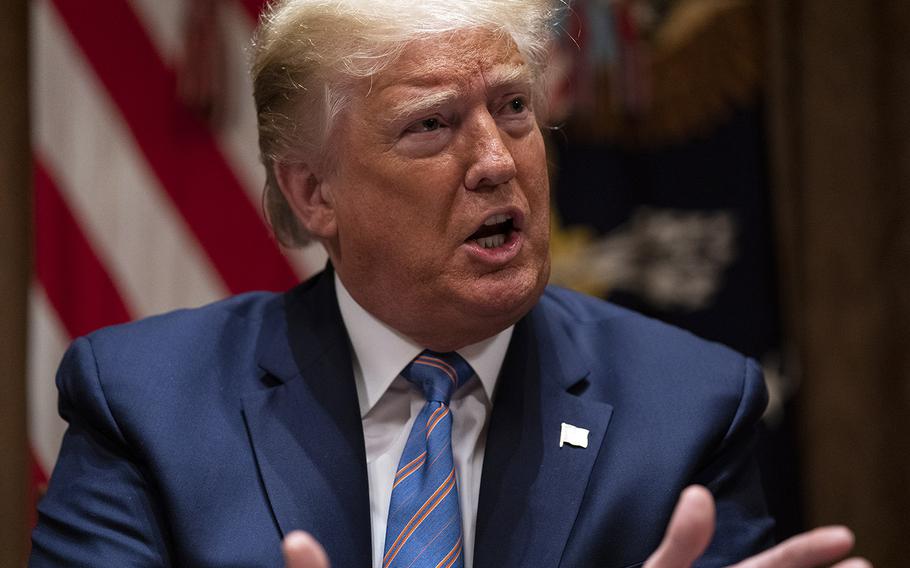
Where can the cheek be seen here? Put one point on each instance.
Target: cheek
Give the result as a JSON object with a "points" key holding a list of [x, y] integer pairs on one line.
{"points": [[379, 221], [362, 197], [531, 162]]}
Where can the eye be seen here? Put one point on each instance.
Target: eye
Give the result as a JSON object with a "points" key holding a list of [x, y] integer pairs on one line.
{"points": [[425, 125], [515, 115], [517, 105]]}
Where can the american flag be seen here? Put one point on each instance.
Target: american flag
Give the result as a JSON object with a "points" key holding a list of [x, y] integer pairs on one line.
{"points": [[146, 175]]}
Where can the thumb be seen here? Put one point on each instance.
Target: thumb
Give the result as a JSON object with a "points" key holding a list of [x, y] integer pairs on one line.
{"points": [[301, 550], [689, 531]]}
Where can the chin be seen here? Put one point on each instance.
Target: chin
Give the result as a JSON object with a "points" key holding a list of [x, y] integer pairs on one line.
{"points": [[507, 294]]}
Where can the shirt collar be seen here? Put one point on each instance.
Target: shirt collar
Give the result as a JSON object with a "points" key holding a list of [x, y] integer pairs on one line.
{"points": [[380, 352]]}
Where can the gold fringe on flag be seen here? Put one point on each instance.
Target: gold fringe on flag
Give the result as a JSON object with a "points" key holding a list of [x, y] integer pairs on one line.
{"points": [[704, 59]]}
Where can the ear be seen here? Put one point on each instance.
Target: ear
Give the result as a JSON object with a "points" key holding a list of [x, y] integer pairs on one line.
{"points": [[309, 198]]}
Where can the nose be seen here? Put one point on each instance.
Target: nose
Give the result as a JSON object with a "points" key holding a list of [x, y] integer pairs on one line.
{"points": [[491, 161]]}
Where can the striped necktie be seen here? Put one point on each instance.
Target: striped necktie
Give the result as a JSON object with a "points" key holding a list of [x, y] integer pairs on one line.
{"points": [[424, 525]]}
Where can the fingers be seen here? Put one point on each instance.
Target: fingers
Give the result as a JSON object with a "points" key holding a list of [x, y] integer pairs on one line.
{"points": [[854, 563], [301, 550], [689, 531], [818, 547]]}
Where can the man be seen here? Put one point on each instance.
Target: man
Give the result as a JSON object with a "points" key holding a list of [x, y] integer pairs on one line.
{"points": [[424, 401]]}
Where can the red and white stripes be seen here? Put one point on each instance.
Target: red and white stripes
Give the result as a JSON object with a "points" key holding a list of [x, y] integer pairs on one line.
{"points": [[140, 205]]}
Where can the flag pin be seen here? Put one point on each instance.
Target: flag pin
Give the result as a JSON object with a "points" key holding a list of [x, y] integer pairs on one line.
{"points": [[573, 435]]}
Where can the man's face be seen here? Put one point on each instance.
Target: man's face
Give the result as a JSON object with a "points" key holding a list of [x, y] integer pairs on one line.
{"points": [[440, 192]]}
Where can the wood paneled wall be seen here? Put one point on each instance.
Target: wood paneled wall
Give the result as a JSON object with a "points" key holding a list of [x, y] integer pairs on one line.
{"points": [[15, 268], [840, 124]]}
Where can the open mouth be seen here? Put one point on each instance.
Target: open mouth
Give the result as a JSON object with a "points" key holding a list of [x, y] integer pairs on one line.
{"points": [[494, 232]]}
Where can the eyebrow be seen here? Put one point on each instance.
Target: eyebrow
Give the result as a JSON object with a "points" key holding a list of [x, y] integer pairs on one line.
{"points": [[505, 75], [496, 78], [420, 104]]}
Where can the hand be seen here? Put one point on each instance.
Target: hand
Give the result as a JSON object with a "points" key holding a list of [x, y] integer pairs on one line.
{"points": [[301, 550], [692, 525]]}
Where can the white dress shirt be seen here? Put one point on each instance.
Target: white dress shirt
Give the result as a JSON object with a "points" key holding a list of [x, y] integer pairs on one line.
{"points": [[389, 404]]}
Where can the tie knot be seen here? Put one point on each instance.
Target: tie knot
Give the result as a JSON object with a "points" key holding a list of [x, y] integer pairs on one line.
{"points": [[438, 374]]}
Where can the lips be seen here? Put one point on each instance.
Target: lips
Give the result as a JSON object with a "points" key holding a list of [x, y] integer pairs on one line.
{"points": [[494, 231]]}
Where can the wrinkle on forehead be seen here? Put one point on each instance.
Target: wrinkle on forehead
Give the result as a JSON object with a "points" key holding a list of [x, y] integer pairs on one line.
{"points": [[449, 58], [495, 78], [432, 72]]}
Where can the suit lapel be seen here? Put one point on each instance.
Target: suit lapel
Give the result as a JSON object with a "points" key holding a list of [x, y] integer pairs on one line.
{"points": [[306, 430], [531, 489]]}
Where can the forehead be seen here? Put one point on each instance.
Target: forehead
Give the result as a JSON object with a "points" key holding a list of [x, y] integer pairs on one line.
{"points": [[455, 59]]}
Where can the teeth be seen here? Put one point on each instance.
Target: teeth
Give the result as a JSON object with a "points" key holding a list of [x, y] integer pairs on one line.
{"points": [[492, 241], [497, 219]]}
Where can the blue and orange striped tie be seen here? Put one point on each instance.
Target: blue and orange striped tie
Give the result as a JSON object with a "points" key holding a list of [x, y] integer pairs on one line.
{"points": [[424, 528]]}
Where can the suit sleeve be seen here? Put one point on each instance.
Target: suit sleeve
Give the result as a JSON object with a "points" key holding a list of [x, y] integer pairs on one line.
{"points": [[744, 527], [100, 509]]}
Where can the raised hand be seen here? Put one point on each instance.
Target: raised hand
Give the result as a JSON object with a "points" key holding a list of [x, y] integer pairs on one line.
{"points": [[692, 525]]}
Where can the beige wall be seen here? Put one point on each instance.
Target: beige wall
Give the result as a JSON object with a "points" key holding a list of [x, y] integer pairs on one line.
{"points": [[14, 270], [841, 146]]}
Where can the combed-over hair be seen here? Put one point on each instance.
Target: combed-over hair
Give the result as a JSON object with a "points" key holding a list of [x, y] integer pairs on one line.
{"points": [[308, 53]]}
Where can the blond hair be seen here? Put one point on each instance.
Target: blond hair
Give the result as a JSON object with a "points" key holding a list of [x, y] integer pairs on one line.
{"points": [[308, 53]]}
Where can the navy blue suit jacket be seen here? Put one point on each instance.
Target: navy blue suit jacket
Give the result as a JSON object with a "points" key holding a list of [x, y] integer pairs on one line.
{"points": [[201, 437]]}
